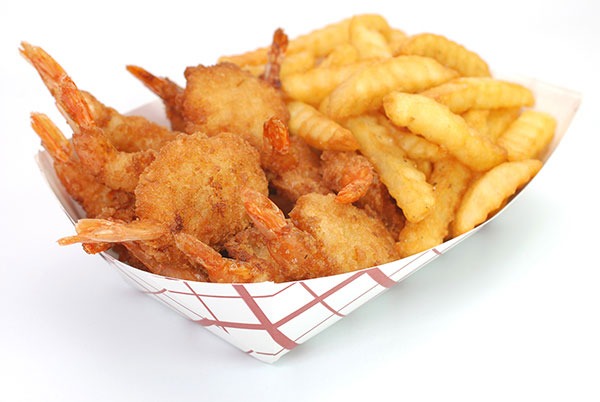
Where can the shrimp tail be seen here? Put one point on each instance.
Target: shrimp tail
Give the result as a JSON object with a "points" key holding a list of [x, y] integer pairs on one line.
{"points": [[358, 183], [53, 140], [274, 58], [221, 269], [109, 231], [265, 214], [168, 91], [49, 70]]}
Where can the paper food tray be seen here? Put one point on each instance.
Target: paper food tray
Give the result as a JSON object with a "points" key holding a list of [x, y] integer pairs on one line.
{"points": [[267, 320]]}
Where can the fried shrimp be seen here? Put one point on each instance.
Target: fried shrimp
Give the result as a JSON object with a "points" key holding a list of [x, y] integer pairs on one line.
{"points": [[274, 58], [223, 97], [193, 186], [150, 243], [221, 269], [126, 133], [292, 167], [347, 173], [298, 253], [95, 198], [365, 240], [355, 180], [118, 170]]}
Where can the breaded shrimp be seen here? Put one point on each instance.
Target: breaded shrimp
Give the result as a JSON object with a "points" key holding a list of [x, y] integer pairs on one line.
{"points": [[193, 186], [95, 198], [347, 173], [352, 239], [292, 167], [150, 243], [355, 180], [118, 170], [274, 58], [298, 253], [126, 133], [223, 97], [228, 270]]}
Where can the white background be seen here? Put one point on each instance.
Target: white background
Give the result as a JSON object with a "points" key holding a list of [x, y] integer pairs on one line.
{"points": [[510, 314]]}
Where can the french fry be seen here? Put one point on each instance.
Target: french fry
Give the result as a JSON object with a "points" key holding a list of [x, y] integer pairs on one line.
{"points": [[316, 84], [415, 146], [342, 55], [319, 130], [498, 120], [322, 41], [477, 119], [363, 91], [490, 191], [450, 179], [434, 121], [396, 39], [528, 135], [405, 183], [369, 42], [319, 42], [447, 52], [466, 93], [297, 63]]}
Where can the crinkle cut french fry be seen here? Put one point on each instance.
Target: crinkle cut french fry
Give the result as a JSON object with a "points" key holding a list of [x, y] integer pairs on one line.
{"points": [[477, 119], [369, 42], [297, 63], [342, 55], [528, 136], [490, 191], [464, 93], [447, 52], [314, 85], [319, 130], [450, 179], [405, 183], [363, 91], [499, 120], [434, 121], [415, 146]]}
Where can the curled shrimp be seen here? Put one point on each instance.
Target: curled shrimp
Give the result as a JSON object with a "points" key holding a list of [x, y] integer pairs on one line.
{"points": [[228, 270], [348, 173], [355, 180], [95, 198], [298, 253], [292, 167], [118, 170]]}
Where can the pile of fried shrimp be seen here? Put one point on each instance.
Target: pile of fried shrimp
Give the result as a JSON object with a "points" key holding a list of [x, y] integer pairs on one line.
{"points": [[348, 147]]}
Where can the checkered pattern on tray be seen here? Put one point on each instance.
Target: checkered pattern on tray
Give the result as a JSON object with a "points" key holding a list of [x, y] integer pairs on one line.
{"points": [[267, 320]]}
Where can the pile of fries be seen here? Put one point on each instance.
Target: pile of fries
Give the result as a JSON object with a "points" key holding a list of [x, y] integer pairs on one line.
{"points": [[451, 143]]}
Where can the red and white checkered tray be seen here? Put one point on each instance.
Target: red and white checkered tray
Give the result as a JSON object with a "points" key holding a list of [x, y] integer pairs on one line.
{"points": [[267, 320]]}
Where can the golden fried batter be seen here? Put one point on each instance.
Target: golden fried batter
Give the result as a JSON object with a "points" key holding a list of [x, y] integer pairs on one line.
{"points": [[224, 97], [193, 186], [353, 239]]}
